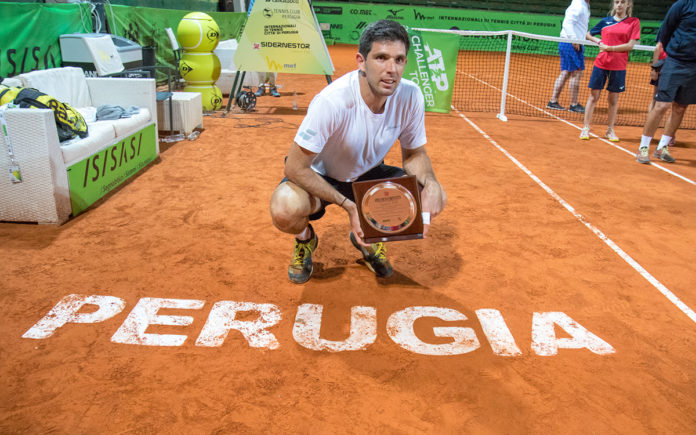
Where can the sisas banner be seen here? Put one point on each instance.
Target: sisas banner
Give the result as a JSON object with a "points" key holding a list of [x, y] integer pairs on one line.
{"points": [[432, 62], [283, 36], [29, 34], [98, 174]]}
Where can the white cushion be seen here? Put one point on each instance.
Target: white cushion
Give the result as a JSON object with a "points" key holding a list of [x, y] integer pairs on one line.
{"points": [[12, 82], [101, 133], [126, 126], [67, 84]]}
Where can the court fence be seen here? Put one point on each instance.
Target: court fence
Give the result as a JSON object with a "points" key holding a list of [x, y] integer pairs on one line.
{"points": [[511, 72]]}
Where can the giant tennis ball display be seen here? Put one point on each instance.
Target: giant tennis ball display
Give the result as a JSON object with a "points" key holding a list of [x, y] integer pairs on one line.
{"points": [[199, 68], [198, 32], [211, 97]]}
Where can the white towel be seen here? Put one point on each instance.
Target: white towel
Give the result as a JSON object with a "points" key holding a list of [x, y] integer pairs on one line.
{"points": [[104, 55]]}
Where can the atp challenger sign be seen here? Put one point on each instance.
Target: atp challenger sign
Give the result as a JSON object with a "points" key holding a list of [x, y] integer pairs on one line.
{"points": [[432, 61]]}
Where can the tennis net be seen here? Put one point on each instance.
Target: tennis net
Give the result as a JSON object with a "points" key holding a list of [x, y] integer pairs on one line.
{"points": [[512, 72]]}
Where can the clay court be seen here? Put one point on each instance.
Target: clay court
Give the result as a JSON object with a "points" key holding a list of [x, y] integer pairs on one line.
{"points": [[537, 222]]}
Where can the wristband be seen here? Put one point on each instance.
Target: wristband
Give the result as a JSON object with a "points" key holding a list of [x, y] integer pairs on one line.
{"points": [[426, 218], [344, 200]]}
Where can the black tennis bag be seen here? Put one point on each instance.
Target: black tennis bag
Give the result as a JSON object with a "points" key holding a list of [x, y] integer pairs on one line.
{"points": [[69, 121]]}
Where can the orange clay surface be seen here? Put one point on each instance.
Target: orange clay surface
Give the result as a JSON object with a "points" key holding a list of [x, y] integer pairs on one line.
{"points": [[195, 225]]}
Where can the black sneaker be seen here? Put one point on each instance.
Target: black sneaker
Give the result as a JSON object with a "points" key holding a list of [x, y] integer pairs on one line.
{"points": [[301, 268], [375, 257], [554, 105], [664, 155], [274, 92], [577, 108]]}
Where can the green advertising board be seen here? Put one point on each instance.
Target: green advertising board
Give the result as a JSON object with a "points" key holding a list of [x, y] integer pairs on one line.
{"points": [[98, 174], [432, 61], [347, 20], [29, 34], [147, 27]]}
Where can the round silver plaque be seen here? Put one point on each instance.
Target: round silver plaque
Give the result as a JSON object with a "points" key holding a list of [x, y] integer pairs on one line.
{"points": [[389, 207]]}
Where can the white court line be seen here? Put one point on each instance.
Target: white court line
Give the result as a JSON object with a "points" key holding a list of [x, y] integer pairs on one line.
{"points": [[614, 247], [658, 166]]}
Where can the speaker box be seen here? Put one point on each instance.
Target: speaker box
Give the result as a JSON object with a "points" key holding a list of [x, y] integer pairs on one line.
{"points": [[226, 5]]}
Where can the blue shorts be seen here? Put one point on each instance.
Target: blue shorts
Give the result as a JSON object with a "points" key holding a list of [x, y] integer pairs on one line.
{"points": [[677, 82], [617, 80], [346, 188], [571, 60]]}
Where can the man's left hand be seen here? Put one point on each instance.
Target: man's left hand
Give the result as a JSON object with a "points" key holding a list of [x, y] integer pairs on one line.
{"points": [[433, 200]]}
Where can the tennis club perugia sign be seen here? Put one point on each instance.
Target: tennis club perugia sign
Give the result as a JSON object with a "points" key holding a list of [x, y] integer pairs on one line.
{"points": [[259, 319]]}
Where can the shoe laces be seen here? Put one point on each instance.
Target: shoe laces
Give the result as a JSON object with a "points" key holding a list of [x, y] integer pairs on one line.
{"points": [[643, 151], [665, 151], [302, 251], [379, 251]]}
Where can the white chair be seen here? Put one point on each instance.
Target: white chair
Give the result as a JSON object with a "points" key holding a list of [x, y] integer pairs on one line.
{"points": [[177, 50]]}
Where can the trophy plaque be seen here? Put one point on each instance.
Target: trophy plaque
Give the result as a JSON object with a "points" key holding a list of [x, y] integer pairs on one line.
{"points": [[389, 209]]}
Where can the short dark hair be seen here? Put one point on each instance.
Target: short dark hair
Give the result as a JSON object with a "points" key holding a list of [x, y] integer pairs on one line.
{"points": [[382, 30]]}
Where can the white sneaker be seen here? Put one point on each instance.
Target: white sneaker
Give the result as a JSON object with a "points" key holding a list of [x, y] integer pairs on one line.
{"points": [[611, 135], [585, 133]]}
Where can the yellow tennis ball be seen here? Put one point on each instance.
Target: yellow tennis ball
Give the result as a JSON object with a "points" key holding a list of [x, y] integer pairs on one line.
{"points": [[199, 68], [211, 97], [198, 32]]}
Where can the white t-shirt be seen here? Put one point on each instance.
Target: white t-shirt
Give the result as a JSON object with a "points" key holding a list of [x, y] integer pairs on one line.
{"points": [[576, 19], [349, 138]]}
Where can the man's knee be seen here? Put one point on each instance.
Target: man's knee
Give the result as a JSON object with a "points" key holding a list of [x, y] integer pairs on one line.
{"points": [[661, 107], [679, 109], [290, 207]]}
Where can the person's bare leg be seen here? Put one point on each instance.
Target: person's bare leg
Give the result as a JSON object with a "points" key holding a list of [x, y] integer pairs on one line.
{"points": [[575, 78], [652, 121], [590, 105], [613, 100], [674, 120], [290, 208], [558, 86]]}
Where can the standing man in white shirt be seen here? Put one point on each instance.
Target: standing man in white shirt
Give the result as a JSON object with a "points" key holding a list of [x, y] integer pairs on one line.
{"points": [[575, 23], [349, 128]]}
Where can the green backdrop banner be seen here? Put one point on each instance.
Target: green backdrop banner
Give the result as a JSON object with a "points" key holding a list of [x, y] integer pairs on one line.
{"points": [[188, 5], [349, 19], [29, 34], [432, 61], [146, 26]]}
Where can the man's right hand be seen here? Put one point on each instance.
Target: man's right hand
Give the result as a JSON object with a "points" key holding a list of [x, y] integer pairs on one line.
{"points": [[576, 47], [654, 74]]}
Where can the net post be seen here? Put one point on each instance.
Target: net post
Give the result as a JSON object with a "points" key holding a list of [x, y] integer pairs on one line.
{"points": [[503, 97]]}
